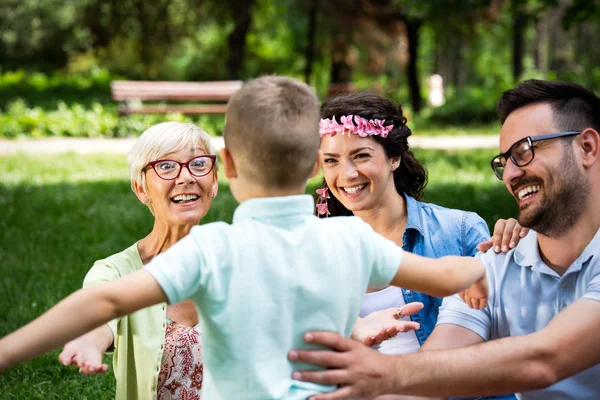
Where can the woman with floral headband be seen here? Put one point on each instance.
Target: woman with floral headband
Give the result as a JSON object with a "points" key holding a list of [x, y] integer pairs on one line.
{"points": [[369, 171]]}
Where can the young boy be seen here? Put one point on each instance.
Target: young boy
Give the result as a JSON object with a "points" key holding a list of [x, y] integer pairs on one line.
{"points": [[275, 273]]}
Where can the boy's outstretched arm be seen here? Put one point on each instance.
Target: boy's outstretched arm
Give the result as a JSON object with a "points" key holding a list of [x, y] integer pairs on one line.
{"points": [[79, 313], [438, 277]]}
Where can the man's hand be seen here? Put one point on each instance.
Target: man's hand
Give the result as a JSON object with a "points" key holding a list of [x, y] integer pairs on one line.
{"points": [[382, 325], [357, 369], [477, 294], [507, 233]]}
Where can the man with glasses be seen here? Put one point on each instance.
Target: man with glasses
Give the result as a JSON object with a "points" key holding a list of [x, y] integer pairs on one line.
{"points": [[544, 304]]}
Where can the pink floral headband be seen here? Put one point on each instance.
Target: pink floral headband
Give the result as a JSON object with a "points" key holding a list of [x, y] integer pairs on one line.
{"points": [[354, 124]]}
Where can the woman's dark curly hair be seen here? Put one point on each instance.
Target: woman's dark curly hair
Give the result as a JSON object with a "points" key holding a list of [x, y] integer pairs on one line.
{"points": [[410, 177]]}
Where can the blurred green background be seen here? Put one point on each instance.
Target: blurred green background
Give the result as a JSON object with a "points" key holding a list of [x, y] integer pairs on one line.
{"points": [[57, 57], [59, 213]]}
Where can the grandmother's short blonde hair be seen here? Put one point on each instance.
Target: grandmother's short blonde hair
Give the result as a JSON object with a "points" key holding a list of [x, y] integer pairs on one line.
{"points": [[161, 139]]}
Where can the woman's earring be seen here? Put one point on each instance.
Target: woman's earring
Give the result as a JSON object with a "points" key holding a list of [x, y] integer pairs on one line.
{"points": [[212, 195], [147, 201]]}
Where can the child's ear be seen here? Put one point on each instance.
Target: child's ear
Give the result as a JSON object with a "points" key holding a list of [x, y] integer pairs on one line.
{"points": [[317, 166], [228, 164]]}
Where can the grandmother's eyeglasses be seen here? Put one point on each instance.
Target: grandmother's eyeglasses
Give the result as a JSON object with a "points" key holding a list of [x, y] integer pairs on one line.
{"points": [[521, 152], [170, 169]]}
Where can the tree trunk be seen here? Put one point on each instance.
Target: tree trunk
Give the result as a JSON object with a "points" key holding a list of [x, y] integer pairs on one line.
{"points": [[519, 24], [310, 43], [145, 38], [242, 17], [540, 53], [412, 31], [558, 42], [455, 58], [341, 71]]}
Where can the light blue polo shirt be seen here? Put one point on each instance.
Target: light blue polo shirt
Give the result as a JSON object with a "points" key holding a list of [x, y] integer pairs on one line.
{"points": [[261, 283], [525, 294]]}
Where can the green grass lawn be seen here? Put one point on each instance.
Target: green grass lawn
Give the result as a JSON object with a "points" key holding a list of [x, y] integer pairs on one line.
{"points": [[60, 213]]}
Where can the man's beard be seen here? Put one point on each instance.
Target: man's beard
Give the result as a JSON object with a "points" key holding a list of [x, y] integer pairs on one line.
{"points": [[563, 202]]}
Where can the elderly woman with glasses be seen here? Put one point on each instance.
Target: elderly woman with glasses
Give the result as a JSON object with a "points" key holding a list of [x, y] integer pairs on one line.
{"points": [[156, 350]]}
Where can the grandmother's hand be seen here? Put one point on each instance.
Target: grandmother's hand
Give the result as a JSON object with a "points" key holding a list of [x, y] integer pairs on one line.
{"points": [[506, 236], [83, 354], [382, 325]]}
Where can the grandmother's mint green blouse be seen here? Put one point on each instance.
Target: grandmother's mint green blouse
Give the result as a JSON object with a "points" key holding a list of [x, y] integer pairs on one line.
{"points": [[138, 338]]}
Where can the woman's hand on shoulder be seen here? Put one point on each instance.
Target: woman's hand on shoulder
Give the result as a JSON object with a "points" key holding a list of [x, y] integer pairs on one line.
{"points": [[506, 236], [383, 325]]}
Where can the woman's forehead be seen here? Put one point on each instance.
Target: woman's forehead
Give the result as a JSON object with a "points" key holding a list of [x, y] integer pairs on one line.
{"points": [[187, 150], [347, 142]]}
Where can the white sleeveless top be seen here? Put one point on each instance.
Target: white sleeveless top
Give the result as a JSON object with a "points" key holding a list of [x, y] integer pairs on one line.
{"points": [[390, 297]]}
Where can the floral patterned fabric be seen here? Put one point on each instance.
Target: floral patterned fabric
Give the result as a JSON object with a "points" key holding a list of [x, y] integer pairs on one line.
{"points": [[181, 367]]}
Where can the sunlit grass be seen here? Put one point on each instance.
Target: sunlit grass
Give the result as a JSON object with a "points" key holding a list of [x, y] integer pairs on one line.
{"points": [[60, 213]]}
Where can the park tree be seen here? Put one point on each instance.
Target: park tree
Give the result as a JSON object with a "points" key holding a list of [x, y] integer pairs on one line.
{"points": [[386, 45], [40, 34]]}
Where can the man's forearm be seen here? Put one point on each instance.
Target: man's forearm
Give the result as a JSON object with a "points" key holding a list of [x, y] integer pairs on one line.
{"points": [[497, 367]]}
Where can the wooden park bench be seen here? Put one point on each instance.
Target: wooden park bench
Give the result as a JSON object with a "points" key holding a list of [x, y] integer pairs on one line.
{"points": [[133, 94]]}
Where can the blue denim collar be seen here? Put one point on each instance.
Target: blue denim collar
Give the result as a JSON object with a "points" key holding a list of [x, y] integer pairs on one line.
{"points": [[414, 218]]}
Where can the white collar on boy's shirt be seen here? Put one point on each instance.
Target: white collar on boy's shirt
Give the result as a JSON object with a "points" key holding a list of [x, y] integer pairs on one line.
{"points": [[270, 207]]}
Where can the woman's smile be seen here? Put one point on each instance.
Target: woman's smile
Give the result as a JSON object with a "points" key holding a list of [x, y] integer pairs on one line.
{"points": [[353, 191]]}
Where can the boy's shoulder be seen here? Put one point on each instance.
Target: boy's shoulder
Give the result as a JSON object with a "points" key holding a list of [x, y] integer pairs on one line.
{"points": [[342, 221], [213, 227], [345, 228]]}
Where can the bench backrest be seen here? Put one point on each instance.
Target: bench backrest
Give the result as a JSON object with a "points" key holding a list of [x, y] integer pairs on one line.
{"points": [[164, 90]]}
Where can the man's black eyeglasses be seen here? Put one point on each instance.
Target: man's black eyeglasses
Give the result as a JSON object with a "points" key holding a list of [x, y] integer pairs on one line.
{"points": [[521, 152]]}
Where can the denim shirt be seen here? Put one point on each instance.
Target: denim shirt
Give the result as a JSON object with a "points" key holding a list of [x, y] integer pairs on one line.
{"points": [[435, 231]]}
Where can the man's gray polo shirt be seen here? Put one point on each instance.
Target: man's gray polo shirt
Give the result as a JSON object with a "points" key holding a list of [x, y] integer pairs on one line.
{"points": [[525, 294]]}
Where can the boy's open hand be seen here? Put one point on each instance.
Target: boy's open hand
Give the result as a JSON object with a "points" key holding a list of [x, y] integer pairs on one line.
{"points": [[383, 325], [84, 355], [477, 294]]}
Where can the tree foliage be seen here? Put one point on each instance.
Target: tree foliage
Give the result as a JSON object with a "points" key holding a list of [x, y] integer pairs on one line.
{"points": [[477, 46]]}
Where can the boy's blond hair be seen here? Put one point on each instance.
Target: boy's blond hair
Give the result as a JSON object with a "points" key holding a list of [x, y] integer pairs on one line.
{"points": [[272, 130]]}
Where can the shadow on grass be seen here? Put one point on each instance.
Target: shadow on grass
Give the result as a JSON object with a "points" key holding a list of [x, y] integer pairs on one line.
{"points": [[50, 235]]}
